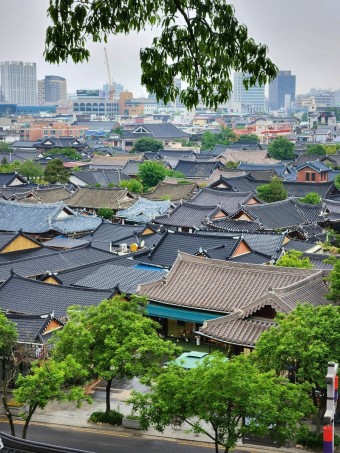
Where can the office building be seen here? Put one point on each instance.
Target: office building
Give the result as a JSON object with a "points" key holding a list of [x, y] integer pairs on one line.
{"points": [[252, 99], [282, 90], [19, 82]]}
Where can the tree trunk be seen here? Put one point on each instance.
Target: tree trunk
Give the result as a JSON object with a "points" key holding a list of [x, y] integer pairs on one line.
{"points": [[8, 412], [27, 421], [108, 395]]}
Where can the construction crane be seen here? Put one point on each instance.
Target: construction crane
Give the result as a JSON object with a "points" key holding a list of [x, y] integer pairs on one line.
{"points": [[111, 87]]}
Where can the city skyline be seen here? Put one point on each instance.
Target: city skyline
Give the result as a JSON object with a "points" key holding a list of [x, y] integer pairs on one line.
{"points": [[296, 38]]}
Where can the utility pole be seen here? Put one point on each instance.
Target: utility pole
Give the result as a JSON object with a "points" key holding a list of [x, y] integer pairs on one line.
{"points": [[332, 398]]}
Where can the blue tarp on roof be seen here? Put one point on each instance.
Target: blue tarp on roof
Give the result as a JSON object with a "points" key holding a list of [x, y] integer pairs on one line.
{"points": [[180, 314]]}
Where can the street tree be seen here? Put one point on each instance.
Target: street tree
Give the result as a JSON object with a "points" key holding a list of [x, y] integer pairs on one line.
{"points": [[273, 191], [224, 137], [8, 339], [282, 149], [199, 41], [46, 382], [113, 340], [55, 172], [294, 258], [5, 147], [215, 397], [151, 173], [334, 283], [146, 144], [302, 341], [311, 198]]}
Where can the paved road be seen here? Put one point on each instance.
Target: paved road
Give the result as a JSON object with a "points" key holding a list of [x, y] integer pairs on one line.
{"points": [[107, 442]]}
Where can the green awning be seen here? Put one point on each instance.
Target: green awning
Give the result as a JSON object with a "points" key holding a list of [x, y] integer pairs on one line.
{"points": [[181, 314]]}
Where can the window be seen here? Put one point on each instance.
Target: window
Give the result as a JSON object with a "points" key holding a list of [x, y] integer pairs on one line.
{"points": [[313, 176], [307, 176], [180, 323]]}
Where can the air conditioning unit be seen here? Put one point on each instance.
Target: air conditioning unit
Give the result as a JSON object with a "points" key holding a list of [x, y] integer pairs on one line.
{"points": [[123, 248]]}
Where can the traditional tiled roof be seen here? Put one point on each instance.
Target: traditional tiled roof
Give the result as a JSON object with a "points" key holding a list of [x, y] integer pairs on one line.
{"points": [[102, 177], [158, 131], [173, 192], [57, 261], [318, 260], [266, 243], [95, 198], [229, 201], [303, 158], [315, 165], [60, 142], [189, 215], [126, 279], [165, 252], [194, 169], [262, 175], [118, 160], [6, 179], [251, 157], [232, 225], [71, 276], [131, 167], [301, 246], [65, 243], [312, 232], [30, 328], [23, 295], [30, 218], [76, 224], [49, 195], [224, 286], [284, 214], [108, 232], [279, 168], [332, 209], [300, 189], [143, 210]]}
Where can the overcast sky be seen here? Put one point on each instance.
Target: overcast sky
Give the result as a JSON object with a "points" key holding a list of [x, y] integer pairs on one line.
{"points": [[302, 35]]}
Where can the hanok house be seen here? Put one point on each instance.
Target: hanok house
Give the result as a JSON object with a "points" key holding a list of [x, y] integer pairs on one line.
{"points": [[188, 217], [313, 172], [172, 192], [11, 179], [91, 199], [200, 290]]}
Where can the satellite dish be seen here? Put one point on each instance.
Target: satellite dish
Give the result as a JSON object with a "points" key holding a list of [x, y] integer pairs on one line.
{"points": [[134, 247], [142, 244]]}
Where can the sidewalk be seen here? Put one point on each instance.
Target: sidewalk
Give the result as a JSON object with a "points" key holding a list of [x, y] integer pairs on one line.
{"points": [[67, 415]]}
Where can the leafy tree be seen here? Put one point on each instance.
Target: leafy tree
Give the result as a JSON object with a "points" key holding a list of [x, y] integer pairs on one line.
{"points": [[4, 147], [311, 198], [217, 395], [303, 341], [173, 173], [151, 173], [133, 185], [294, 258], [251, 138], [282, 149], [10, 167], [316, 150], [55, 172], [337, 181], [146, 144], [200, 41], [273, 191], [4, 161], [331, 149], [31, 169], [47, 381], [118, 130], [106, 213], [113, 340], [304, 116], [67, 152], [224, 137], [334, 283]]}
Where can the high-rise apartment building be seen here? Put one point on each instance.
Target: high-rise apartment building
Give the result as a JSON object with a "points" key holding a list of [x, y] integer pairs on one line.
{"points": [[251, 100], [19, 82], [282, 90], [51, 90]]}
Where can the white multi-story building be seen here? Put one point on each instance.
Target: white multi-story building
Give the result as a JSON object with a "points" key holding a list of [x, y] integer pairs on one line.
{"points": [[251, 100], [19, 82]]}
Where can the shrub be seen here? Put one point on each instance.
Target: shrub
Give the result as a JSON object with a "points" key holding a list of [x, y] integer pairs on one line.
{"points": [[312, 440], [112, 417], [184, 181]]}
